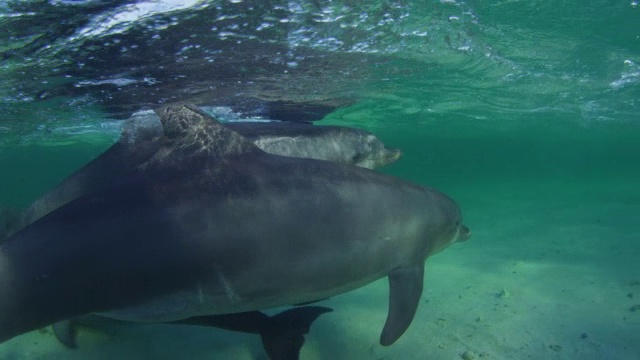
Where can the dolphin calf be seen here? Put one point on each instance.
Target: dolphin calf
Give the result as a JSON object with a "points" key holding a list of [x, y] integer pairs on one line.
{"points": [[140, 139], [209, 224], [327, 142], [324, 142]]}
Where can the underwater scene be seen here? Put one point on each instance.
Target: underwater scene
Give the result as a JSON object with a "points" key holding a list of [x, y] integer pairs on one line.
{"points": [[160, 197]]}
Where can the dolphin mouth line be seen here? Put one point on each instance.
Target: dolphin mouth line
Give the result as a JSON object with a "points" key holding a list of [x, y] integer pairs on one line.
{"points": [[395, 155]]}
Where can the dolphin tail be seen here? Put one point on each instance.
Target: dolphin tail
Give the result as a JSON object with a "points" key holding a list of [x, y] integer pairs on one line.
{"points": [[282, 334]]}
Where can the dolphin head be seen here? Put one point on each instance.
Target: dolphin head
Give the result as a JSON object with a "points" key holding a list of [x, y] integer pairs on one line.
{"points": [[451, 228], [439, 224], [371, 152]]}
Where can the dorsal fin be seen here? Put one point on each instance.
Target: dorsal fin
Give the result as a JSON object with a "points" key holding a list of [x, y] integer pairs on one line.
{"points": [[140, 129], [179, 120], [195, 130]]}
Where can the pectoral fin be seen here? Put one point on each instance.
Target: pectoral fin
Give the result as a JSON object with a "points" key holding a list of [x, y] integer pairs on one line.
{"points": [[405, 289]]}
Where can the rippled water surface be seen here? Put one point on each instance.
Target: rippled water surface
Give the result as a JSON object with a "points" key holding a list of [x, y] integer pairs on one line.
{"points": [[527, 113]]}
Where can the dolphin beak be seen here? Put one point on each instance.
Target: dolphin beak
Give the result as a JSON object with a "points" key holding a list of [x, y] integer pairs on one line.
{"points": [[393, 155], [463, 233]]}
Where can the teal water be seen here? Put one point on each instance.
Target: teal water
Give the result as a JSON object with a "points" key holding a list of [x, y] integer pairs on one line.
{"points": [[526, 113]]}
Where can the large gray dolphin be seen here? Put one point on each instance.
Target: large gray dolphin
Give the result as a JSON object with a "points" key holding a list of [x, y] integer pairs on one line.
{"points": [[210, 224], [140, 139]]}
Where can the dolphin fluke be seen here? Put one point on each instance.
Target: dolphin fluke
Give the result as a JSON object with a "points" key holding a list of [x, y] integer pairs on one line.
{"points": [[282, 334]]}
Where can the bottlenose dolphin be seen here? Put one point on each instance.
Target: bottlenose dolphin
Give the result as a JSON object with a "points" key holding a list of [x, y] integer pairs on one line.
{"points": [[323, 142], [335, 143], [140, 139], [209, 224]]}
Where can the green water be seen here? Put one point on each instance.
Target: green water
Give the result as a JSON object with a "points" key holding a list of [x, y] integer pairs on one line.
{"points": [[527, 113]]}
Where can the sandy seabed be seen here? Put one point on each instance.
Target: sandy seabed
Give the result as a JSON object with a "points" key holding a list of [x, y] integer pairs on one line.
{"points": [[551, 272]]}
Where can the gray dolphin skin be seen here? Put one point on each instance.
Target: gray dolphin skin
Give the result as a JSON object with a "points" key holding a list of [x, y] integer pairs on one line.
{"points": [[139, 140], [325, 142], [334, 143], [209, 224]]}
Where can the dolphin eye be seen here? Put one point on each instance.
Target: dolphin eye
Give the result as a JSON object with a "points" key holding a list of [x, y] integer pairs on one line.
{"points": [[357, 157]]}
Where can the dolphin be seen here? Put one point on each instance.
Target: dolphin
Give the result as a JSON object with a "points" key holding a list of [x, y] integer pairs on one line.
{"points": [[324, 142], [140, 139], [327, 142], [209, 224]]}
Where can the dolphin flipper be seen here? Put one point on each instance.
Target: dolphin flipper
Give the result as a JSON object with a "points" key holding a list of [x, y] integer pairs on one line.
{"points": [[405, 288]]}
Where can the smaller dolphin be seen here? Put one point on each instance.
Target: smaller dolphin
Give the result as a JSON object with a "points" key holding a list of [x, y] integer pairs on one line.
{"points": [[335, 143], [9, 218], [341, 144]]}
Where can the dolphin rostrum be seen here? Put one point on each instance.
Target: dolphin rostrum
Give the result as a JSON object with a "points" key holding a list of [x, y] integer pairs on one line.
{"points": [[209, 224]]}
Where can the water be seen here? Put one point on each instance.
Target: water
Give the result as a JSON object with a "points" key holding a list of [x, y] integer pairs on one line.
{"points": [[525, 112]]}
